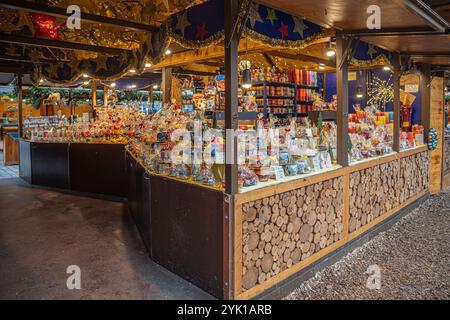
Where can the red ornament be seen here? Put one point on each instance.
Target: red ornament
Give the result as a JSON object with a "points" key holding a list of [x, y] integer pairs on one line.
{"points": [[283, 30], [45, 26], [201, 31]]}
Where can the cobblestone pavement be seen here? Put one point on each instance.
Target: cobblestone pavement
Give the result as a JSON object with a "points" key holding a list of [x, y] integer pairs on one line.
{"points": [[413, 258]]}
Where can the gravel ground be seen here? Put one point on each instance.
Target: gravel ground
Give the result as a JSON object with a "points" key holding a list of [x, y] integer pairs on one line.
{"points": [[413, 258]]}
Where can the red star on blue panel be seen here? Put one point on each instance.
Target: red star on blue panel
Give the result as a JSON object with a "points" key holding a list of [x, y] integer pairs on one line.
{"points": [[201, 31], [283, 30]]}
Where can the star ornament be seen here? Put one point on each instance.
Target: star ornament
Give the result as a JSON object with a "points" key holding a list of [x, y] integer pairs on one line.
{"points": [[283, 30], [299, 26], [254, 15], [182, 22], [271, 16], [201, 31], [371, 50]]}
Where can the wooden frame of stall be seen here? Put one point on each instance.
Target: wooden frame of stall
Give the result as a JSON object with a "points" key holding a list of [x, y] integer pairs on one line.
{"points": [[235, 213]]}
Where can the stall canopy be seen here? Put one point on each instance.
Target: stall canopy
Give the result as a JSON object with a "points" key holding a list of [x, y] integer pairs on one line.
{"points": [[416, 28], [107, 47]]}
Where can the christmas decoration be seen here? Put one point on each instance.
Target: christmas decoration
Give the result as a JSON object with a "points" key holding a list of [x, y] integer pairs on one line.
{"points": [[271, 16], [46, 26], [182, 22], [283, 30], [254, 15], [299, 26], [432, 139], [380, 92]]}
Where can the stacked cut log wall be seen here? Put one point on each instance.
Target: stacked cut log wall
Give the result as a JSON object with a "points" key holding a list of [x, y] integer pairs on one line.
{"points": [[281, 230], [373, 192], [414, 175]]}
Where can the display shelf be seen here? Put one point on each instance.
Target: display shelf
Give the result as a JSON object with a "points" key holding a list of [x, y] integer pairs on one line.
{"points": [[327, 115]]}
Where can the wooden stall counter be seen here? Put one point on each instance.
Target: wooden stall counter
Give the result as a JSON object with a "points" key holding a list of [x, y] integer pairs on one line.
{"points": [[281, 229], [92, 168]]}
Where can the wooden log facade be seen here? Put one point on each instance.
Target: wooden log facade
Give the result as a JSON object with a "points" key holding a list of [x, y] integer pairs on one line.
{"points": [[281, 229], [284, 229]]}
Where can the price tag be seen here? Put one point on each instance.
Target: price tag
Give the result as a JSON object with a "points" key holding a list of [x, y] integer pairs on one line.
{"points": [[279, 172]]}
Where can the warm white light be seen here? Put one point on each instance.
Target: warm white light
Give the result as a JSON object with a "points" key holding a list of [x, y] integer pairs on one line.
{"points": [[331, 53], [113, 84], [246, 85], [155, 86], [132, 71], [387, 68], [86, 82], [133, 86], [168, 51], [359, 95], [148, 65], [321, 67], [322, 64], [41, 80], [85, 75], [11, 99]]}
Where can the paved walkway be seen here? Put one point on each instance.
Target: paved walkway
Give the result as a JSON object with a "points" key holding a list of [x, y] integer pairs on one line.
{"points": [[7, 171], [43, 232], [413, 258]]}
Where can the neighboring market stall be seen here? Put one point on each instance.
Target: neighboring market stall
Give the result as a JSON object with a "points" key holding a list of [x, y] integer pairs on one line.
{"points": [[325, 150]]}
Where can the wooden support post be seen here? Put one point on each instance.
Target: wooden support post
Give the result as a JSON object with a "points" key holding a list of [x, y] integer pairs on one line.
{"points": [[105, 95], [20, 101], [396, 65], [94, 93], [425, 82], [166, 84], [342, 100], [231, 99]]}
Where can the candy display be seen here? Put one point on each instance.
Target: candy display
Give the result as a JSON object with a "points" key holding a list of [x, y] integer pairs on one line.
{"points": [[371, 133], [109, 126]]}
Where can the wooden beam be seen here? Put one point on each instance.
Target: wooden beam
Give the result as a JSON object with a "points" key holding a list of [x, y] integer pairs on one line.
{"points": [[86, 17], [342, 101], [37, 42], [166, 84], [231, 98], [396, 76], [392, 32], [203, 54], [6, 57], [20, 101], [271, 62], [303, 57]]}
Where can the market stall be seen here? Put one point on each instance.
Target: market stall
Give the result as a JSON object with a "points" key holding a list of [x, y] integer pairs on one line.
{"points": [[252, 176]]}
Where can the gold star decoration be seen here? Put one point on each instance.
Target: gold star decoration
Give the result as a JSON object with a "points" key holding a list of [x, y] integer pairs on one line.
{"points": [[101, 63], [182, 22], [299, 26], [254, 15], [371, 50], [52, 70], [271, 16]]}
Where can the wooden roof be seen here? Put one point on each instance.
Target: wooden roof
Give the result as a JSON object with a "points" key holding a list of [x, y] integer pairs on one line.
{"points": [[404, 29]]}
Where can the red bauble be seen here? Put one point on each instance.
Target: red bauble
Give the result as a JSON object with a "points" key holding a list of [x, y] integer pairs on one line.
{"points": [[45, 26]]}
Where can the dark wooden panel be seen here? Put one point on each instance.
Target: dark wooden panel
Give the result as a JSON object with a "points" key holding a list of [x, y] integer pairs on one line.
{"points": [[139, 199], [186, 232], [98, 168], [25, 160], [50, 164]]}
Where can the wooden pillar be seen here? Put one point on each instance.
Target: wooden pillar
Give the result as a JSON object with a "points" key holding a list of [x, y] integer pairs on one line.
{"points": [[342, 100], [166, 84], [105, 95], [94, 93], [20, 101], [425, 83], [396, 65], [231, 100]]}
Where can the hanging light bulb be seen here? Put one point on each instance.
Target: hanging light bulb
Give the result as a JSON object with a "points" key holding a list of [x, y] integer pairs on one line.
{"points": [[321, 66], [168, 51], [85, 75], [113, 84], [359, 92], [246, 75], [155, 86], [387, 68], [331, 52], [132, 71]]}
